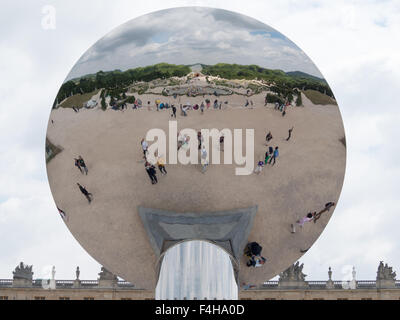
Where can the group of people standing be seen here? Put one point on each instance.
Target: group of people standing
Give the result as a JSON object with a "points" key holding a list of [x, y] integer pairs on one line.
{"points": [[272, 153], [270, 158], [281, 107], [150, 168], [217, 105], [182, 142], [253, 251]]}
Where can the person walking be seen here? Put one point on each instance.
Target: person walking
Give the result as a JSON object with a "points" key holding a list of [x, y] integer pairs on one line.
{"points": [[221, 142], [173, 111], [184, 108], [78, 165], [145, 146], [204, 161], [327, 208], [200, 139], [202, 107], [274, 156], [309, 217], [216, 104], [83, 164], [268, 137], [87, 194], [204, 165], [151, 171], [161, 165], [290, 133]]}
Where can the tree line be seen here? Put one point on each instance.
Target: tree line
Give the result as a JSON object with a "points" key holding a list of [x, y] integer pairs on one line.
{"points": [[284, 83], [116, 81]]}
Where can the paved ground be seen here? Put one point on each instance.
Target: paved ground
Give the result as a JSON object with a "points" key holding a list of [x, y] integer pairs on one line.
{"points": [[308, 173]]}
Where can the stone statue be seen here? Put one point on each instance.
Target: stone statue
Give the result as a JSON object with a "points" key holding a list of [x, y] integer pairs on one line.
{"points": [[107, 279], [77, 272], [53, 272], [77, 282], [107, 275], [353, 282], [23, 271], [293, 273], [330, 284], [385, 276], [385, 272]]}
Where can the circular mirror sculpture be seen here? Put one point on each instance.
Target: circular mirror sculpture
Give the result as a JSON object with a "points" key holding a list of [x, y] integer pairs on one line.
{"points": [[195, 124]]}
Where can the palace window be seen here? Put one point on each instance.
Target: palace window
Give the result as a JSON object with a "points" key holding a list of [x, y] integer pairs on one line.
{"points": [[88, 298], [63, 298], [39, 298]]}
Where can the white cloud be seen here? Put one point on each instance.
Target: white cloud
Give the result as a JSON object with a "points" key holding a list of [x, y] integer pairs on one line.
{"points": [[189, 36]]}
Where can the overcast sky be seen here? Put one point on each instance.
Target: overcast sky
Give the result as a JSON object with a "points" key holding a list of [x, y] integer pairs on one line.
{"points": [[354, 45], [193, 35]]}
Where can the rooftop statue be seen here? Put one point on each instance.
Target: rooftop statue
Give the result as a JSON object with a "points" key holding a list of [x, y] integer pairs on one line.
{"points": [[23, 271], [385, 272], [107, 275], [293, 273], [77, 272]]}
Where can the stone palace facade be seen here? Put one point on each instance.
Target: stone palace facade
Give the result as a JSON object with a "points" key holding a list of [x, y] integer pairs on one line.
{"points": [[290, 286]]}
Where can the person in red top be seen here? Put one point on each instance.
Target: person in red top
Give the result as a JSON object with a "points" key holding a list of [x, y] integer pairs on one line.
{"points": [[78, 165], [62, 213]]}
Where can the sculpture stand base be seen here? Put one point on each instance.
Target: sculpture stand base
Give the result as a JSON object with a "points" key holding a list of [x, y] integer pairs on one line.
{"points": [[228, 229]]}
